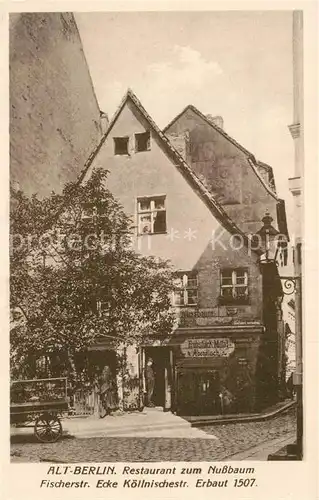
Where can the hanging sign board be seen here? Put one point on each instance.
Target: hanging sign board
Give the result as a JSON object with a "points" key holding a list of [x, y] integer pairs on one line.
{"points": [[202, 348]]}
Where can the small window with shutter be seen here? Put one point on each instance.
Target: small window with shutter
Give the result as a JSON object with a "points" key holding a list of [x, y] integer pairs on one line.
{"points": [[121, 145]]}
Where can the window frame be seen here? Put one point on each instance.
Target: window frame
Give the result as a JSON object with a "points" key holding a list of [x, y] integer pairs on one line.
{"points": [[148, 142], [121, 138], [90, 211], [234, 285], [103, 307], [185, 288], [152, 212]]}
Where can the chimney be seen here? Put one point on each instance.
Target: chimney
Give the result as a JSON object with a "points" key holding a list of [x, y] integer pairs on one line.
{"points": [[181, 143], [216, 120], [104, 122]]}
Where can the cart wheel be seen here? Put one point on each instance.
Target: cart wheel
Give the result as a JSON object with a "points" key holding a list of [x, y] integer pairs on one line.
{"points": [[48, 428]]}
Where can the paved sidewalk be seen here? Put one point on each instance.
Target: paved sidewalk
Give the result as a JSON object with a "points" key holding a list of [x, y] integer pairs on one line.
{"points": [[246, 439]]}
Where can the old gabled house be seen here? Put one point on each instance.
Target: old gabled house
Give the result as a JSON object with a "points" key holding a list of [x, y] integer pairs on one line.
{"points": [[222, 355]]}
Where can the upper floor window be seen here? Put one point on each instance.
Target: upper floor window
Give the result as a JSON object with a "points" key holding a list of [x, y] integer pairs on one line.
{"points": [[142, 142], [151, 215], [121, 145], [88, 212], [234, 285], [186, 289]]}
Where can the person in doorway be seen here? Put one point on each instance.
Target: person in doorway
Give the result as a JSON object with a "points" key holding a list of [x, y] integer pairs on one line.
{"points": [[107, 400], [150, 382]]}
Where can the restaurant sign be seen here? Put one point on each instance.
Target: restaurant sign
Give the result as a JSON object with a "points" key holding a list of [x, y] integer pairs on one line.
{"points": [[202, 348]]}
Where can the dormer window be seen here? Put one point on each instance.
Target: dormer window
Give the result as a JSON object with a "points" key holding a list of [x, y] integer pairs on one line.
{"points": [[143, 142], [121, 145]]}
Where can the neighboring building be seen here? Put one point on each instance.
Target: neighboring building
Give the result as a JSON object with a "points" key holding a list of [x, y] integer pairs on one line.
{"points": [[224, 354], [296, 182], [296, 189], [54, 115], [241, 184]]}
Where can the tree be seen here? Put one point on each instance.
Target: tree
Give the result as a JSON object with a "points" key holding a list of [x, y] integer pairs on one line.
{"points": [[75, 278]]}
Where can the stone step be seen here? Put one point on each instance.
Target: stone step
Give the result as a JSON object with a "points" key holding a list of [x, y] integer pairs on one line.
{"points": [[152, 421], [169, 430]]}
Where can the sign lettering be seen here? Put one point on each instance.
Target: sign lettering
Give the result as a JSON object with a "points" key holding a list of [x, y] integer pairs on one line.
{"points": [[200, 348]]}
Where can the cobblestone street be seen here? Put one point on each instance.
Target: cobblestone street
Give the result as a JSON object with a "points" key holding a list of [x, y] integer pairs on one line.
{"points": [[231, 439]]}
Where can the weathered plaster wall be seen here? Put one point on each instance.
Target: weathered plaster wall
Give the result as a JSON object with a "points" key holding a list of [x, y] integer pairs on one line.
{"points": [[54, 115], [224, 168], [208, 249]]}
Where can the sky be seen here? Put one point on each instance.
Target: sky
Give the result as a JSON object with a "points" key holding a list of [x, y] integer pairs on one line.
{"points": [[237, 64]]}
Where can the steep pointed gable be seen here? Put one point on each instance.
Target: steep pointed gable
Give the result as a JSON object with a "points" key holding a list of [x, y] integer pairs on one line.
{"points": [[177, 160]]}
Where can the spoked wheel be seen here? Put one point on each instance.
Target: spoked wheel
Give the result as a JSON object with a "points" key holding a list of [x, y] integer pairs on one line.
{"points": [[48, 428]]}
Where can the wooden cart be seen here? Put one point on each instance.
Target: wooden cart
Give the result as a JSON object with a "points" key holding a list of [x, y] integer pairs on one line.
{"points": [[39, 403]]}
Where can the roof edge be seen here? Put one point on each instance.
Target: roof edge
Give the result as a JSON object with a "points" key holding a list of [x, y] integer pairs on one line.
{"points": [[252, 162], [207, 197], [201, 115], [249, 155]]}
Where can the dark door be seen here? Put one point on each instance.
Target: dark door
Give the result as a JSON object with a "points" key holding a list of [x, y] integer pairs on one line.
{"points": [[162, 373], [198, 392]]}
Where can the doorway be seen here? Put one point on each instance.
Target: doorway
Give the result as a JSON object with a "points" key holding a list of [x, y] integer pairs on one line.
{"points": [[161, 371]]}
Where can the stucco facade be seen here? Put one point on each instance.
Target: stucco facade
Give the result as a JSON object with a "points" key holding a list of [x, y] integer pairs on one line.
{"points": [[209, 362], [54, 114], [242, 185]]}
